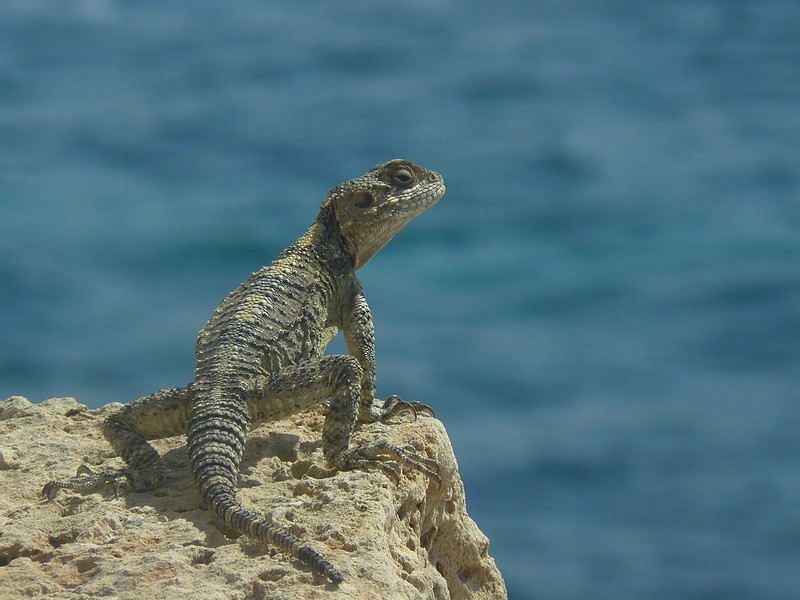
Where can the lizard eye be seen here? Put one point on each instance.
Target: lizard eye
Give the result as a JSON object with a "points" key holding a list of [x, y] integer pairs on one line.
{"points": [[364, 200], [403, 176]]}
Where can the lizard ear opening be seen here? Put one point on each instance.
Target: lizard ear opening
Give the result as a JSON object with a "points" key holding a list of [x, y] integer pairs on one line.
{"points": [[363, 199]]}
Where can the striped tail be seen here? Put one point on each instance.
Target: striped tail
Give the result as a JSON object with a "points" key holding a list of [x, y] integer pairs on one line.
{"points": [[217, 427]]}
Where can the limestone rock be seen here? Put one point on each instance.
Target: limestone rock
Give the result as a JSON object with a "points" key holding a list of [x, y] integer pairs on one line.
{"points": [[412, 540]]}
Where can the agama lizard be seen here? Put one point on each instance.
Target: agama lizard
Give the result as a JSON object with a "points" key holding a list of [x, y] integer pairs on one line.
{"points": [[260, 358]]}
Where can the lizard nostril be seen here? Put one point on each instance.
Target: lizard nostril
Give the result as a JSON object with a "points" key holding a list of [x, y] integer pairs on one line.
{"points": [[434, 176]]}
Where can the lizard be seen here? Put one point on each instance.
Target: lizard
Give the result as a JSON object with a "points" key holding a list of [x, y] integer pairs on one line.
{"points": [[260, 358]]}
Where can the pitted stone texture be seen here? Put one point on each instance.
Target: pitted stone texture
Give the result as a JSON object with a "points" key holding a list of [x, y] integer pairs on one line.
{"points": [[411, 540]]}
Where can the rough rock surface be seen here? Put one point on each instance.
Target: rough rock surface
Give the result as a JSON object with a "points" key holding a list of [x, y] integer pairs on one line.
{"points": [[411, 540]]}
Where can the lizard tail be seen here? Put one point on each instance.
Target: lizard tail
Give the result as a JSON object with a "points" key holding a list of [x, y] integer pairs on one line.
{"points": [[253, 524], [216, 434]]}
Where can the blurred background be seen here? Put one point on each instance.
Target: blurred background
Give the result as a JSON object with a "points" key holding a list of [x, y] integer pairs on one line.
{"points": [[604, 309]]}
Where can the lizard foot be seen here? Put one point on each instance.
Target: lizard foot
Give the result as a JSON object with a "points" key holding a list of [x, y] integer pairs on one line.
{"points": [[138, 480], [374, 456], [88, 479], [395, 406]]}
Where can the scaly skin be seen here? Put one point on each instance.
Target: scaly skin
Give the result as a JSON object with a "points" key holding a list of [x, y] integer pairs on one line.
{"points": [[260, 358]]}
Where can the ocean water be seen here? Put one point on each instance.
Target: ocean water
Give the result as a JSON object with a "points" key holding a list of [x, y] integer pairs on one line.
{"points": [[604, 309]]}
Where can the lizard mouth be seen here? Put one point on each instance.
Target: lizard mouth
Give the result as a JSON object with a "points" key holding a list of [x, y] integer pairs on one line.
{"points": [[434, 194]]}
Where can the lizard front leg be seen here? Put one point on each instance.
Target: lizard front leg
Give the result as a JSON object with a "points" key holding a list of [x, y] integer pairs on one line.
{"points": [[359, 334], [159, 415]]}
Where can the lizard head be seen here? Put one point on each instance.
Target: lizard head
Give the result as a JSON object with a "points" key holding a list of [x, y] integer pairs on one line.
{"points": [[372, 208]]}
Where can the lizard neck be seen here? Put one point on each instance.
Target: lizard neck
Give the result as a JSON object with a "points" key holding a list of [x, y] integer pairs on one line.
{"points": [[325, 240]]}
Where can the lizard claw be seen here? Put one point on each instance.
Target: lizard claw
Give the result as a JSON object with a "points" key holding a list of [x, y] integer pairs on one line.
{"points": [[420, 408], [394, 406], [85, 469]]}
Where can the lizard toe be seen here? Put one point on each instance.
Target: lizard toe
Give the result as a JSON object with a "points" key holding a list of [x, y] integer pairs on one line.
{"points": [[382, 454], [393, 407], [422, 409]]}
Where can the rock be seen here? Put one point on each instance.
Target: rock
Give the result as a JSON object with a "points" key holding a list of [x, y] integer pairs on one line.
{"points": [[7, 459], [412, 540], [15, 406]]}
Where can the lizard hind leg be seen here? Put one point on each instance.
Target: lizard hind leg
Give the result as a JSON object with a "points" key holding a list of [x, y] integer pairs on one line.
{"points": [[380, 454], [337, 377], [156, 416], [146, 470]]}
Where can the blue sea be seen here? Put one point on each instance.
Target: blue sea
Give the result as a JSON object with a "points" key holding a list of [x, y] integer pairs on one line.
{"points": [[604, 309]]}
